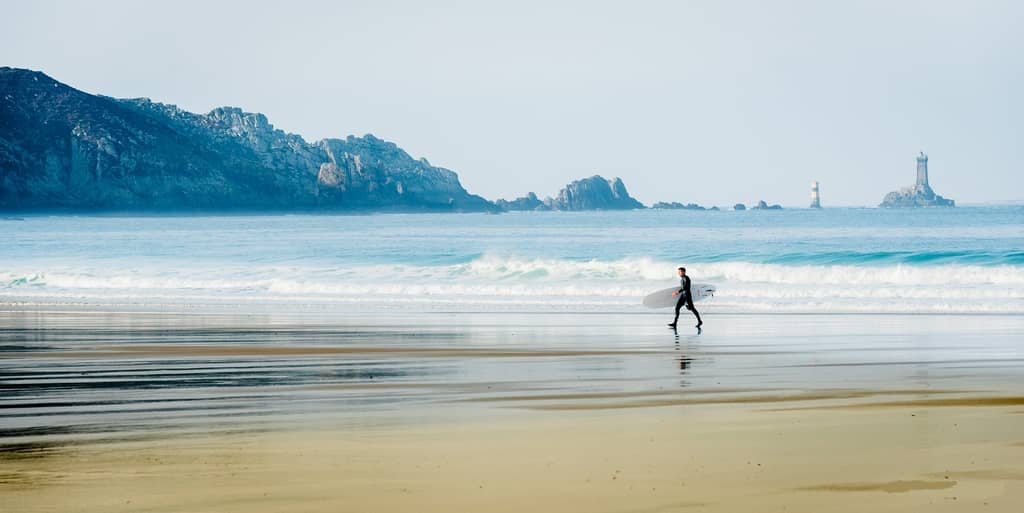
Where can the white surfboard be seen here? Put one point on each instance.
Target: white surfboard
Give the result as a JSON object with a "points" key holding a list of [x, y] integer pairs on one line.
{"points": [[664, 298]]}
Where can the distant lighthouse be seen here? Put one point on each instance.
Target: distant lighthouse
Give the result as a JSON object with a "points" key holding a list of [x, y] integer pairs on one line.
{"points": [[922, 170], [920, 195], [815, 198]]}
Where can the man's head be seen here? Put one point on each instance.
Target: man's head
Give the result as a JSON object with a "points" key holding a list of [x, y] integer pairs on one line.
{"points": [[682, 271]]}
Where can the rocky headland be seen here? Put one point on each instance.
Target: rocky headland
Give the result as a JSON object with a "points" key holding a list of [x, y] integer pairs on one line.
{"points": [[64, 149]]}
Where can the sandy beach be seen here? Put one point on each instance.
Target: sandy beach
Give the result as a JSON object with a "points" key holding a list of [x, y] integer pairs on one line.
{"points": [[132, 411]]}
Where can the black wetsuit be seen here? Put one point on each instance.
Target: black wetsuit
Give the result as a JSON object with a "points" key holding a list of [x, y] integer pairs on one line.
{"points": [[685, 299]]}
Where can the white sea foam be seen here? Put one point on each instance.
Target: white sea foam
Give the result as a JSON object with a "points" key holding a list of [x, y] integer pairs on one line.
{"points": [[494, 283]]}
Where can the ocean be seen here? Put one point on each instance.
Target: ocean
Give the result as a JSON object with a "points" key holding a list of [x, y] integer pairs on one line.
{"points": [[837, 260]]}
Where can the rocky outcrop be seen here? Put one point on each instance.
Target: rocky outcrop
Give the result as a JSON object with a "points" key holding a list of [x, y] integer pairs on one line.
{"points": [[917, 196], [63, 149], [594, 193], [528, 202], [761, 205], [920, 195], [674, 205], [739, 206]]}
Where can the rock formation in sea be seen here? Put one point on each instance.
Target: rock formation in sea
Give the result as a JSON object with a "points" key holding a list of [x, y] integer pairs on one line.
{"points": [[739, 206], [920, 195], [63, 149], [528, 202], [761, 205], [594, 193], [675, 205]]}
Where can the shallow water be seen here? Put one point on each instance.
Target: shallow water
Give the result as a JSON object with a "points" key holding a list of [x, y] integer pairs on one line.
{"points": [[92, 375]]}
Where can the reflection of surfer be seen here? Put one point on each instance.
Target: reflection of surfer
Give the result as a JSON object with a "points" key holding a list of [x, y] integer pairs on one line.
{"points": [[685, 298]]}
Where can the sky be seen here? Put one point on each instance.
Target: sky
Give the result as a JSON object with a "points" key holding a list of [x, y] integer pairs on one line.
{"points": [[712, 102]]}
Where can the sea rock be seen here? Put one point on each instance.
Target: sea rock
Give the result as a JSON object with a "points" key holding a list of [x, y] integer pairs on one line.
{"points": [[677, 206], [761, 205], [920, 195], [739, 206], [594, 193], [528, 202], [63, 149]]}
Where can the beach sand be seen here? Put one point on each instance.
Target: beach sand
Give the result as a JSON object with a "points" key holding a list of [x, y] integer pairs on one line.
{"points": [[109, 412]]}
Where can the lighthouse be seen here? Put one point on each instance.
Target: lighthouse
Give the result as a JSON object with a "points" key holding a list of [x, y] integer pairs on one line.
{"points": [[921, 194], [922, 171], [815, 198]]}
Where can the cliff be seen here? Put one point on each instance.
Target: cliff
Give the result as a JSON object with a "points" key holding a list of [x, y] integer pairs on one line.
{"points": [[63, 149]]}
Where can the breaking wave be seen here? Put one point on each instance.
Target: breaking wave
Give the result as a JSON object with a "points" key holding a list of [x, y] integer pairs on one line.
{"points": [[491, 282]]}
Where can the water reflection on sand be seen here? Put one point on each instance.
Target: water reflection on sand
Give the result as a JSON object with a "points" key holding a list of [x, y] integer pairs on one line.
{"points": [[67, 376]]}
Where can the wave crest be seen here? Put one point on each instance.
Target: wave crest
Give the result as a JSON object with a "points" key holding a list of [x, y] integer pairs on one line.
{"points": [[494, 282]]}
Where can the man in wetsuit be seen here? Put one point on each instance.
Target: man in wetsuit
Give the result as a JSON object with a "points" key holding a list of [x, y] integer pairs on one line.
{"points": [[685, 298]]}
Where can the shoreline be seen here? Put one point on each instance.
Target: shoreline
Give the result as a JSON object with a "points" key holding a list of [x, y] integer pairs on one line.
{"points": [[326, 309]]}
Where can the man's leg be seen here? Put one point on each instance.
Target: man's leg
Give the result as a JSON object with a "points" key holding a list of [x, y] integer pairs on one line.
{"points": [[679, 305], [689, 306]]}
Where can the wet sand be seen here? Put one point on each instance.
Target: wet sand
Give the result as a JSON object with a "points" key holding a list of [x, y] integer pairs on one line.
{"points": [[105, 411]]}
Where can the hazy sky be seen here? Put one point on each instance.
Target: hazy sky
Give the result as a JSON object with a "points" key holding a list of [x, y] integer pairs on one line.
{"points": [[714, 102]]}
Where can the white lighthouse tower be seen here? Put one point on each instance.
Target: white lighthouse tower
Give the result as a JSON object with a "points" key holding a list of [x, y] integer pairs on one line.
{"points": [[815, 198]]}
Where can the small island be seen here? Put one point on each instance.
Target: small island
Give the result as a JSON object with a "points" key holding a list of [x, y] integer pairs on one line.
{"points": [[762, 205], [594, 193], [528, 202], [920, 195], [675, 205]]}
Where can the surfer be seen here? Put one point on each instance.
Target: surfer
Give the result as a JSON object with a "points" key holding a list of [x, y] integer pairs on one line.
{"points": [[685, 298]]}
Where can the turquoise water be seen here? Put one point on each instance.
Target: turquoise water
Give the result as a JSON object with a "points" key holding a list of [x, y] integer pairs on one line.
{"points": [[836, 260]]}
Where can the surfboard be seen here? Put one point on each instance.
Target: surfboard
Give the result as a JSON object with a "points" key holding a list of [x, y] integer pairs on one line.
{"points": [[664, 298]]}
